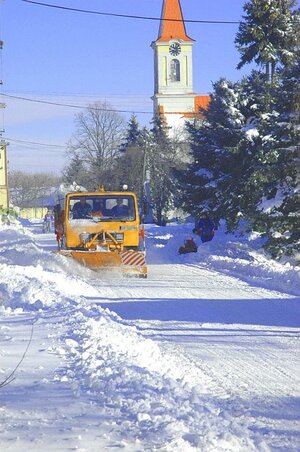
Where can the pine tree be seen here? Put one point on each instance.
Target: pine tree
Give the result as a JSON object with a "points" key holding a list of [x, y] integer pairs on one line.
{"points": [[267, 34], [196, 183], [256, 97], [76, 171], [279, 210], [214, 181], [256, 101], [245, 153], [160, 162], [128, 168], [133, 134]]}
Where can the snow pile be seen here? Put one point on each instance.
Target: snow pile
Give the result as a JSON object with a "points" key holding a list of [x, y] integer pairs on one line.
{"points": [[146, 395], [238, 256], [151, 399], [145, 389]]}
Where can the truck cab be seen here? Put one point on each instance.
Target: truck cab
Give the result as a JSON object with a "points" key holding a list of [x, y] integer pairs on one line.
{"points": [[115, 213]]}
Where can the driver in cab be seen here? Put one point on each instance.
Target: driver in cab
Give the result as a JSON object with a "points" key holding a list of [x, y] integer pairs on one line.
{"points": [[120, 209], [82, 209]]}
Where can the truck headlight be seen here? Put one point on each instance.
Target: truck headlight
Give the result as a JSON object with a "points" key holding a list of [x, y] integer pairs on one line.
{"points": [[119, 236]]}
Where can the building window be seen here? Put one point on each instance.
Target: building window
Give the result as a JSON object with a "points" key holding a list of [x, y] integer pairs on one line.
{"points": [[175, 71]]}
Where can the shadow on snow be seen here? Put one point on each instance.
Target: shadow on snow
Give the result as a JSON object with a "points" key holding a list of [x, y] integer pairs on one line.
{"points": [[276, 312]]}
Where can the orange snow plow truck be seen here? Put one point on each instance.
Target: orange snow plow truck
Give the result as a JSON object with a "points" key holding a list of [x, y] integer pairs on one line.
{"points": [[101, 230]]}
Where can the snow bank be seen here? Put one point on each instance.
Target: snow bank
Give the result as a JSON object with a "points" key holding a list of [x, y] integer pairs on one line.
{"points": [[241, 257], [155, 400], [152, 399], [147, 395]]}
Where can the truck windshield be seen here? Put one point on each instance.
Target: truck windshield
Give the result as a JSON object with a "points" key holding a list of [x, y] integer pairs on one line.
{"points": [[102, 208]]}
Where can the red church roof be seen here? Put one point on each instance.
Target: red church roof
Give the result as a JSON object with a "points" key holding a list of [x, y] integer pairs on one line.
{"points": [[172, 29]]}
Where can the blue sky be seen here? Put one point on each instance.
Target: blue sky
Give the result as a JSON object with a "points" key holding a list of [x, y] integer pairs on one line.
{"points": [[75, 58]]}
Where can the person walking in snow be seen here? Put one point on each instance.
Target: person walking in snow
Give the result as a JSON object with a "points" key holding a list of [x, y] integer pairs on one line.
{"points": [[205, 228], [47, 222]]}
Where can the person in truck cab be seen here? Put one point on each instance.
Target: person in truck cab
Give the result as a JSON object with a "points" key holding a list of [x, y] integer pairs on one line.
{"points": [[120, 209], [82, 209], [99, 209]]}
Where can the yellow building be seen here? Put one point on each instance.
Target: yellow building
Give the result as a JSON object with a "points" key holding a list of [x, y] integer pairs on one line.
{"points": [[32, 212], [4, 200]]}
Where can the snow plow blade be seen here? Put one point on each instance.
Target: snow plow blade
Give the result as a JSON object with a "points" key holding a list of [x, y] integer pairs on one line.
{"points": [[131, 263]]}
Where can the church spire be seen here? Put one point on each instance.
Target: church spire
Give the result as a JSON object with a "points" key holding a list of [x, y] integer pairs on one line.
{"points": [[170, 29]]}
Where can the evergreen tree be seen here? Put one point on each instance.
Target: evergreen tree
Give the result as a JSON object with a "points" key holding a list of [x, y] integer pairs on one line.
{"points": [[75, 170], [256, 97], [133, 134], [160, 161], [279, 210], [214, 181], [245, 153], [128, 168], [196, 183], [267, 34]]}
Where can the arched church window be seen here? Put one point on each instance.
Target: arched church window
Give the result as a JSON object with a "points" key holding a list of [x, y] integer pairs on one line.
{"points": [[175, 70]]}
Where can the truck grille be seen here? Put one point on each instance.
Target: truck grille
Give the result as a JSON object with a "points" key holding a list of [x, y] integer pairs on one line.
{"points": [[118, 236]]}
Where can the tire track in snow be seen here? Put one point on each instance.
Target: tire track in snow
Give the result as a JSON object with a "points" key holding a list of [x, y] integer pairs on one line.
{"points": [[130, 378], [94, 333]]}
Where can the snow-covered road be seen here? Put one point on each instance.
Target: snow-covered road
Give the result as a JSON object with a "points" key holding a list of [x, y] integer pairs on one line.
{"points": [[193, 358]]}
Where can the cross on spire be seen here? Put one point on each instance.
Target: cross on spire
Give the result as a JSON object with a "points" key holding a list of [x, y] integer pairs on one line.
{"points": [[172, 29]]}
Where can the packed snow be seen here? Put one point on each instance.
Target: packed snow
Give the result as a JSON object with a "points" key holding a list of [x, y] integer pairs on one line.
{"points": [[201, 356]]}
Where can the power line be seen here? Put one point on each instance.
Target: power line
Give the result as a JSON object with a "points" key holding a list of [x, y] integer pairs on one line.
{"points": [[36, 143], [75, 106], [129, 16], [82, 94]]}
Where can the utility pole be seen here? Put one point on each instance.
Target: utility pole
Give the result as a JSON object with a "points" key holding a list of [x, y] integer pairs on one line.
{"points": [[146, 196], [149, 212], [4, 196]]}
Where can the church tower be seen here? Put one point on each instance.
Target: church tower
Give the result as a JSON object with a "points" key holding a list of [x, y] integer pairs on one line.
{"points": [[174, 98]]}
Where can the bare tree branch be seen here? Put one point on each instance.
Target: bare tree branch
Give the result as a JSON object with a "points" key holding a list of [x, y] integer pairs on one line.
{"points": [[96, 141]]}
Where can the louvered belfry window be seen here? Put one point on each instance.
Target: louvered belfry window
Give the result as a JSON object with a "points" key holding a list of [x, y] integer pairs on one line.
{"points": [[175, 70]]}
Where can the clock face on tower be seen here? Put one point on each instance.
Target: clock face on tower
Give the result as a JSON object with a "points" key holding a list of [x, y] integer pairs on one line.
{"points": [[175, 49]]}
